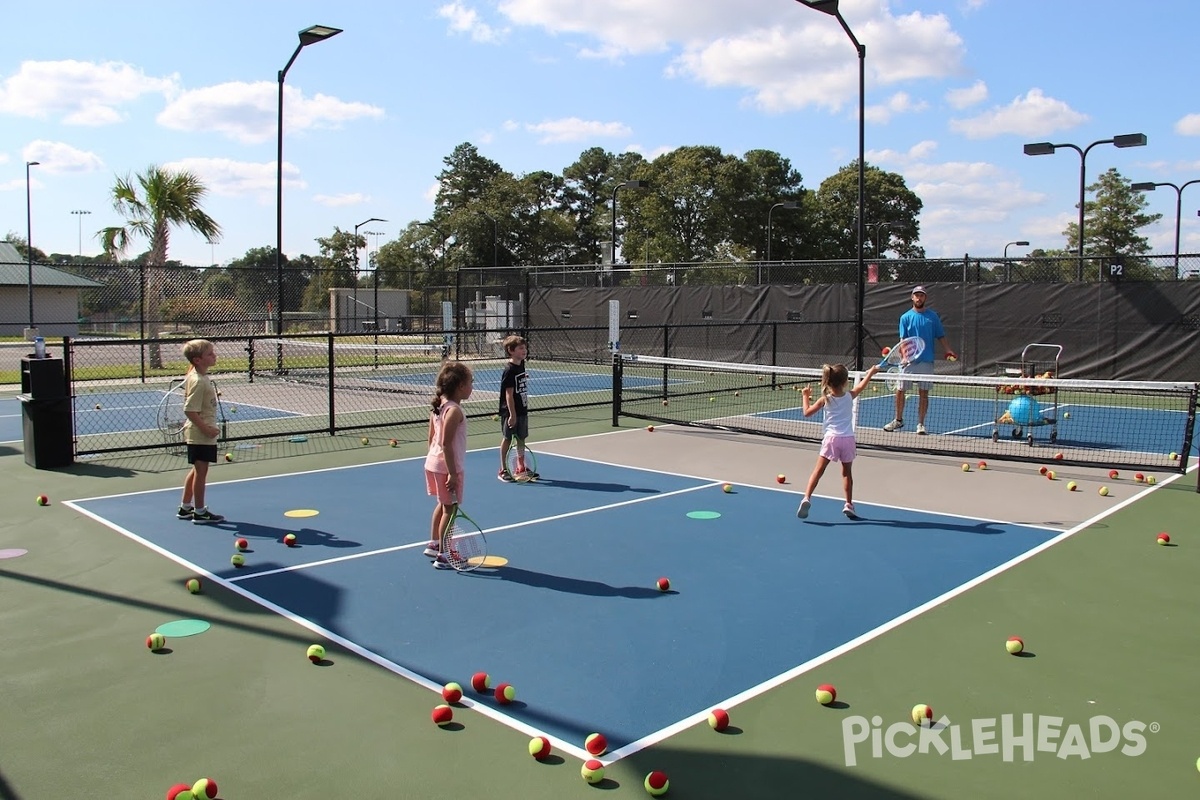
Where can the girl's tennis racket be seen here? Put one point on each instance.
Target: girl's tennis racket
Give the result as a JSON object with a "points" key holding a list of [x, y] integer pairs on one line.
{"points": [[521, 462], [463, 542], [905, 352]]}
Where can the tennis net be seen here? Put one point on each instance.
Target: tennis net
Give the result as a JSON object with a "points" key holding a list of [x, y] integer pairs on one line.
{"points": [[406, 368], [1090, 423]]}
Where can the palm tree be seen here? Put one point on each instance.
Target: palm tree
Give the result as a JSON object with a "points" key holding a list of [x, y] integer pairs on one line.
{"points": [[166, 199]]}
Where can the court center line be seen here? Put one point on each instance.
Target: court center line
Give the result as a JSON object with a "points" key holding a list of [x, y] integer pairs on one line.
{"points": [[498, 528]]}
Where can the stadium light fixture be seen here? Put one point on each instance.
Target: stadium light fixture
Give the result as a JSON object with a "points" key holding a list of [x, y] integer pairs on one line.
{"points": [[1150, 186]]}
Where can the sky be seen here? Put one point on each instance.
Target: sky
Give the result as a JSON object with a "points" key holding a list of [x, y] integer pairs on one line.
{"points": [[954, 88]]}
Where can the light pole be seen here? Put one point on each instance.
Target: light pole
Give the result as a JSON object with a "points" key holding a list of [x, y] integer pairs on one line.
{"points": [[786, 204], [1150, 187], [625, 185], [312, 35], [80, 213], [831, 7], [358, 269], [1046, 148], [1007, 265], [29, 243], [879, 226]]}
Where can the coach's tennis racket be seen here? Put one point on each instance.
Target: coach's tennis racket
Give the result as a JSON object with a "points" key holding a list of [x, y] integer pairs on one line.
{"points": [[905, 352], [463, 543], [521, 462]]}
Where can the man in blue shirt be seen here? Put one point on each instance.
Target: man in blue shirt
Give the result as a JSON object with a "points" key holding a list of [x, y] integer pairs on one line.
{"points": [[924, 323]]}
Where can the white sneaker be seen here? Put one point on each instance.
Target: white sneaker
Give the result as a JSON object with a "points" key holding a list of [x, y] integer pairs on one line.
{"points": [[894, 425], [921, 429], [848, 510], [802, 511]]}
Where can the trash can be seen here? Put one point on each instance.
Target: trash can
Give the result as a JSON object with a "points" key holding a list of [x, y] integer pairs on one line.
{"points": [[46, 421]]}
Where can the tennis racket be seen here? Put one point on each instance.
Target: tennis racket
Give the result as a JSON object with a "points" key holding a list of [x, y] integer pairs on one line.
{"points": [[521, 462], [221, 421], [893, 379], [905, 352], [170, 417], [463, 542]]}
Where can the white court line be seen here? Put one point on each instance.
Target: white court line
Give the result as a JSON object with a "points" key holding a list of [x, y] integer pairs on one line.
{"points": [[496, 529]]}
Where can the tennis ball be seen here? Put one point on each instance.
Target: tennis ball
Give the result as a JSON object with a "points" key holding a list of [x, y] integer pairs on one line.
{"points": [[781, 478], [1174, 456], [180, 791], [237, 560], [663, 584], [656, 783], [42, 500], [1050, 475], [727, 488], [539, 747], [1164, 538], [1150, 479], [205, 787], [1014, 645], [505, 694], [315, 653], [193, 585], [365, 440], [966, 468], [97, 406], [737, 394], [443, 715], [392, 443], [1043, 470], [495, 417], [826, 694], [242, 544], [229, 456], [718, 719], [983, 465], [595, 744], [480, 682], [922, 714], [452, 692], [1072, 486], [1058, 456], [650, 429], [289, 539], [592, 771], [1066, 415], [233, 409], [156, 641], [1104, 491], [885, 351], [952, 358], [1113, 474], [712, 399], [1138, 477]]}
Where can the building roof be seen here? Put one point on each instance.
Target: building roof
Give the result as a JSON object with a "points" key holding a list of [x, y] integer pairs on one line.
{"points": [[14, 271]]}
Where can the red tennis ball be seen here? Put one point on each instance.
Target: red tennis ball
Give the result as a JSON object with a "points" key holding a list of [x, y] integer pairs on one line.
{"points": [[1138, 478], [886, 350], [650, 428], [178, 790], [656, 783], [781, 478], [290, 539], [1058, 456], [663, 584], [595, 744], [718, 719], [539, 747], [204, 788], [480, 682], [452, 693], [1112, 473], [1164, 538], [1043, 470], [505, 694], [826, 694], [242, 544], [42, 500], [443, 715]]}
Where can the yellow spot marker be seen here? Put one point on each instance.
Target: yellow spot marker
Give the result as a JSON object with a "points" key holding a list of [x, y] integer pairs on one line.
{"points": [[301, 512], [490, 561]]}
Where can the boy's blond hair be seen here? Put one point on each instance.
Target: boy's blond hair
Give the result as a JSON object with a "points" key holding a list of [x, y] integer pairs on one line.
{"points": [[512, 343], [196, 348]]}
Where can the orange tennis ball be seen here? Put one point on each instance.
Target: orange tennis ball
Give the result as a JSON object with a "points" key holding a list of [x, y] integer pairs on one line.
{"points": [[663, 584], [204, 788], [656, 783], [452, 693], [443, 715], [539, 747], [1050, 475], [826, 694], [718, 719], [505, 694], [480, 682], [1164, 538], [886, 351], [595, 744]]}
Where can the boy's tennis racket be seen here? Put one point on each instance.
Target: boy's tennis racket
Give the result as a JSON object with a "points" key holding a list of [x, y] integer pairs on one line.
{"points": [[521, 462], [170, 417], [905, 352], [222, 423], [463, 542]]}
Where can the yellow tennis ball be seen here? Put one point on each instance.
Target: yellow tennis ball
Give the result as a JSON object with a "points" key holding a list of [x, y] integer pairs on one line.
{"points": [[1104, 491], [727, 488], [156, 641], [193, 585], [1014, 645], [365, 440], [1066, 415], [204, 788], [1151, 479], [656, 783], [238, 560], [826, 694], [1072, 486], [1174, 455], [966, 467], [315, 653], [922, 714], [229, 456], [592, 771]]}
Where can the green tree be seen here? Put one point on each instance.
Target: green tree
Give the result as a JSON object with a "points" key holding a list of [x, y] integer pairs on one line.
{"points": [[464, 181], [152, 203], [1112, 221], [335, 267], [587, 184], [769, 178], [887, 199]]}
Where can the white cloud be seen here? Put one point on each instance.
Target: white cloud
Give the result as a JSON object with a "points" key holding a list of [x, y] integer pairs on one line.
{"points": [[1035, 114], [974, 94], [465, 20], [3, 158], [651, 154], [899, 103], [431, 193], [1189, 125], [918, 151], [248, 112], [78, 92], [58, 158], [230, 178], [340, 200], [574, 129]]}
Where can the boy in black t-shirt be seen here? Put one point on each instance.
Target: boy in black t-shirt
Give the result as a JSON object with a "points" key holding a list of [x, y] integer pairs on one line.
{"points": [[514, 406]]}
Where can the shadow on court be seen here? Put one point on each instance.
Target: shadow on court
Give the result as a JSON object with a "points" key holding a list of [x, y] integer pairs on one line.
{"points": [[984, 528], [561, 583], [304, 537], [594, 486], [7, 792]]}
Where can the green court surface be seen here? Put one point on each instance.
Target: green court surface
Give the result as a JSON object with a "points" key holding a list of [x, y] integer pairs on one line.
{"points": [[1107, 615]]}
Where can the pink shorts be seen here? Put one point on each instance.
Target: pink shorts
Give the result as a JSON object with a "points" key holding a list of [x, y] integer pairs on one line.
{"points": [[838, 448], [435, 485]]}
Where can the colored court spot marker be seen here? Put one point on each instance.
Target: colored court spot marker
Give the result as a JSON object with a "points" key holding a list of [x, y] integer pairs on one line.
{"points": [[301, 512], [182, 627], [703, 514], [492, 561], [16, 552]]}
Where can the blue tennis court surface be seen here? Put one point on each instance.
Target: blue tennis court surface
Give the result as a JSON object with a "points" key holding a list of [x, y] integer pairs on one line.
{"points": [[573, 619]]}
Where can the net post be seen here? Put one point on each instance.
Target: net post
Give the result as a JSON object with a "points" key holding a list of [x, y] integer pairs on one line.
{"points": [[617, 383], [250, 360], [330, 356]]}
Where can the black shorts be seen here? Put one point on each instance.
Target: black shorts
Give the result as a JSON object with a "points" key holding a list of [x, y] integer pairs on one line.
{"points": [[521, 431], [202, 452]]}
